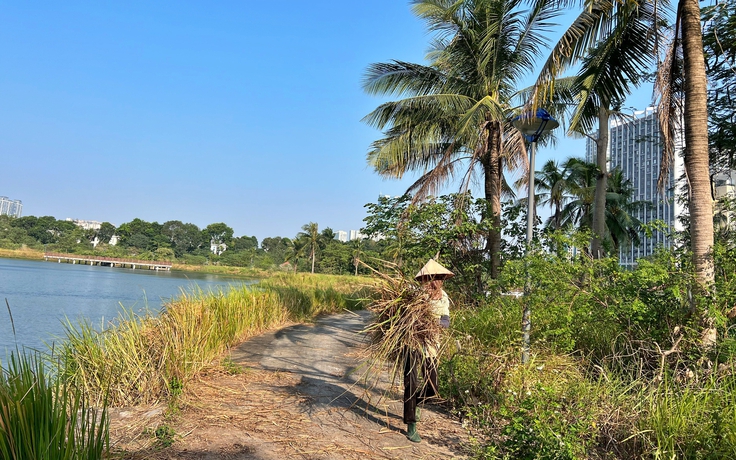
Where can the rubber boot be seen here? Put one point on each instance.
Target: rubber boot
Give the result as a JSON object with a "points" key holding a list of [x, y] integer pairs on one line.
{"points": [[412, 434]]}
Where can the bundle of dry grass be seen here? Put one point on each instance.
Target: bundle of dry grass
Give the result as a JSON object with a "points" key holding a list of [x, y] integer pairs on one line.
{"points": [[403, 320]]}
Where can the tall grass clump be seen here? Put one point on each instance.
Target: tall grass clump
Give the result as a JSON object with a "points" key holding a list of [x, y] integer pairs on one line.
{"points": [[147, 358], [41, 417]]}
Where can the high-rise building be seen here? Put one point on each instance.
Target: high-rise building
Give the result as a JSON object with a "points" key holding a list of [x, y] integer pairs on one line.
{"points": [[635, 147], [356, 235], [341, 235], [10, 207]]}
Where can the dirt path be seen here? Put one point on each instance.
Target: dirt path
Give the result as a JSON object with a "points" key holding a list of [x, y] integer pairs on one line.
{"points": [[301, 396]]}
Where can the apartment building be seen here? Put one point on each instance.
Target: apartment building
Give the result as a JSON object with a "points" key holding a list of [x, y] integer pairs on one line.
{"points": [[10, 207], [635, 147]]}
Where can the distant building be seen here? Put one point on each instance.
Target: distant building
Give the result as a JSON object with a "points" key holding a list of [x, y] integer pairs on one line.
{"points": [[356, 235], [635, 147], [10, 207], [85, 224], [724, 185], [218, 249], [341, 235], [724, 190]]}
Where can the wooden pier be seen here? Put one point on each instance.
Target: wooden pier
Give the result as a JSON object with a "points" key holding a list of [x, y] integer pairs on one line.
{"points": [[107, 261]]}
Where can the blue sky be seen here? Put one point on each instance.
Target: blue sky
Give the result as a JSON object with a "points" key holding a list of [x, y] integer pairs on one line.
{"points": [[246, 113]]}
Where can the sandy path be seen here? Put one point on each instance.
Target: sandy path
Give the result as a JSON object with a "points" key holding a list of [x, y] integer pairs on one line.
{"points": [[301, 397]]}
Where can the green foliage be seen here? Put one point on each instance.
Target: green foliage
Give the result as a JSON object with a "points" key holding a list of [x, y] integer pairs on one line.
{"points": [[450, 225], [719, 41], [41, 417], [165, 435], [617, 371], [231, 367]]}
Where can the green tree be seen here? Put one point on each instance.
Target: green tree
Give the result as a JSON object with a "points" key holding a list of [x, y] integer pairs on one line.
{"points": [[719, 39], [183, 238], [105, 232], [552, 184], [616, 46], [621, 225], [295, 250], [356, 253], [456, 110], [311, 234], [217, 234]]}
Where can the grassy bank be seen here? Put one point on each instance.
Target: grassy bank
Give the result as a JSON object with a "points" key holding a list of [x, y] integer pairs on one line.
{"points": [[141, 359], [27, 254]]}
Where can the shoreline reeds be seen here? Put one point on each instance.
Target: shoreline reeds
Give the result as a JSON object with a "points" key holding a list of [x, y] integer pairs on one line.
{"points": [[145, 358]]}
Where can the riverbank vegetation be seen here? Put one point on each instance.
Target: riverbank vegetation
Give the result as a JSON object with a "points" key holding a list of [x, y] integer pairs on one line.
{"points": [[147, 358], [59, 401], [42, 416]]}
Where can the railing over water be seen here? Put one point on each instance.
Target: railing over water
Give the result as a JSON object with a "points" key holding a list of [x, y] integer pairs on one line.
{"points": [[107, 261]]}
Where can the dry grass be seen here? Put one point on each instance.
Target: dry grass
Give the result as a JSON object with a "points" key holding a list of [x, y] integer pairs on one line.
{"points": [[403, 320]]}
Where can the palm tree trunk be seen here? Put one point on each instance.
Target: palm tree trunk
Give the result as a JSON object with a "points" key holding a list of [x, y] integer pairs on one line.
{"points": [[601, 185], [696, 159], [313, 259], [492, 172]]}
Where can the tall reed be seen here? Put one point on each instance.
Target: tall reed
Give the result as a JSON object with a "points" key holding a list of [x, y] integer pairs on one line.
{"points": [[43, 418], [146, 358]]}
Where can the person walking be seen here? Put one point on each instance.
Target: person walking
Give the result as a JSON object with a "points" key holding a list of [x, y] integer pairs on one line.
{"points": [[432, 276]]}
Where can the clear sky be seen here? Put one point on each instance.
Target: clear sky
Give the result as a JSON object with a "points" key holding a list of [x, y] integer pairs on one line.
{"points": [[246, 113]]}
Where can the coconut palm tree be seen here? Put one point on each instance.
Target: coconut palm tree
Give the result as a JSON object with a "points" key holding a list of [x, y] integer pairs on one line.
{"points": [[312, 237], [295, 250], [581, 181], [621, 225], [682, 90], [552, 184], [616, 45], [357, 252], [453, 118]]}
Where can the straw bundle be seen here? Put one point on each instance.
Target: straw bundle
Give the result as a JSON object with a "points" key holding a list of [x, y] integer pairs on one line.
{"points": [[403, 320]]}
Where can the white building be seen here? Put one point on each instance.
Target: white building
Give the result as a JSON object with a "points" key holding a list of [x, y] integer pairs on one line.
{"points": [[85, 224], [10, 207], [356, 235], [341, 235], [724, 190], [636, 148]]}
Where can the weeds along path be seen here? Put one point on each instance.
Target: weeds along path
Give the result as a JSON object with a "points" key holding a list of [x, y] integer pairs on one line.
{"points": [[300, 396]]}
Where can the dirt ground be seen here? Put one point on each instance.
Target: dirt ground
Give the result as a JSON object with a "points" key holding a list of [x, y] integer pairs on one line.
{"points": [[301, 395]]}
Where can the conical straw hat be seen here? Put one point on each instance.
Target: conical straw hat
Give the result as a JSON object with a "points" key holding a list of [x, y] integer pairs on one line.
{"points": [[433, 270]]}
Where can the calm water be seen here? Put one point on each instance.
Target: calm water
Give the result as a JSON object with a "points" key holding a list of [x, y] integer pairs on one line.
{"points": [[42, 294]]}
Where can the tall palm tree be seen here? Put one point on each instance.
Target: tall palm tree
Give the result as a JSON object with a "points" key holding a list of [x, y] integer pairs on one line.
{"points": [[552, 184], [357, 252], [682, 78], [453, 118], [621, 226], [312, 236], [581, 182], [295, 250], [616, 45]]}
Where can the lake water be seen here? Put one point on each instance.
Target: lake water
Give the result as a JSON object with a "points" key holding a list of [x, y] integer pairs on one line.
{"points": [[42, 295]]}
